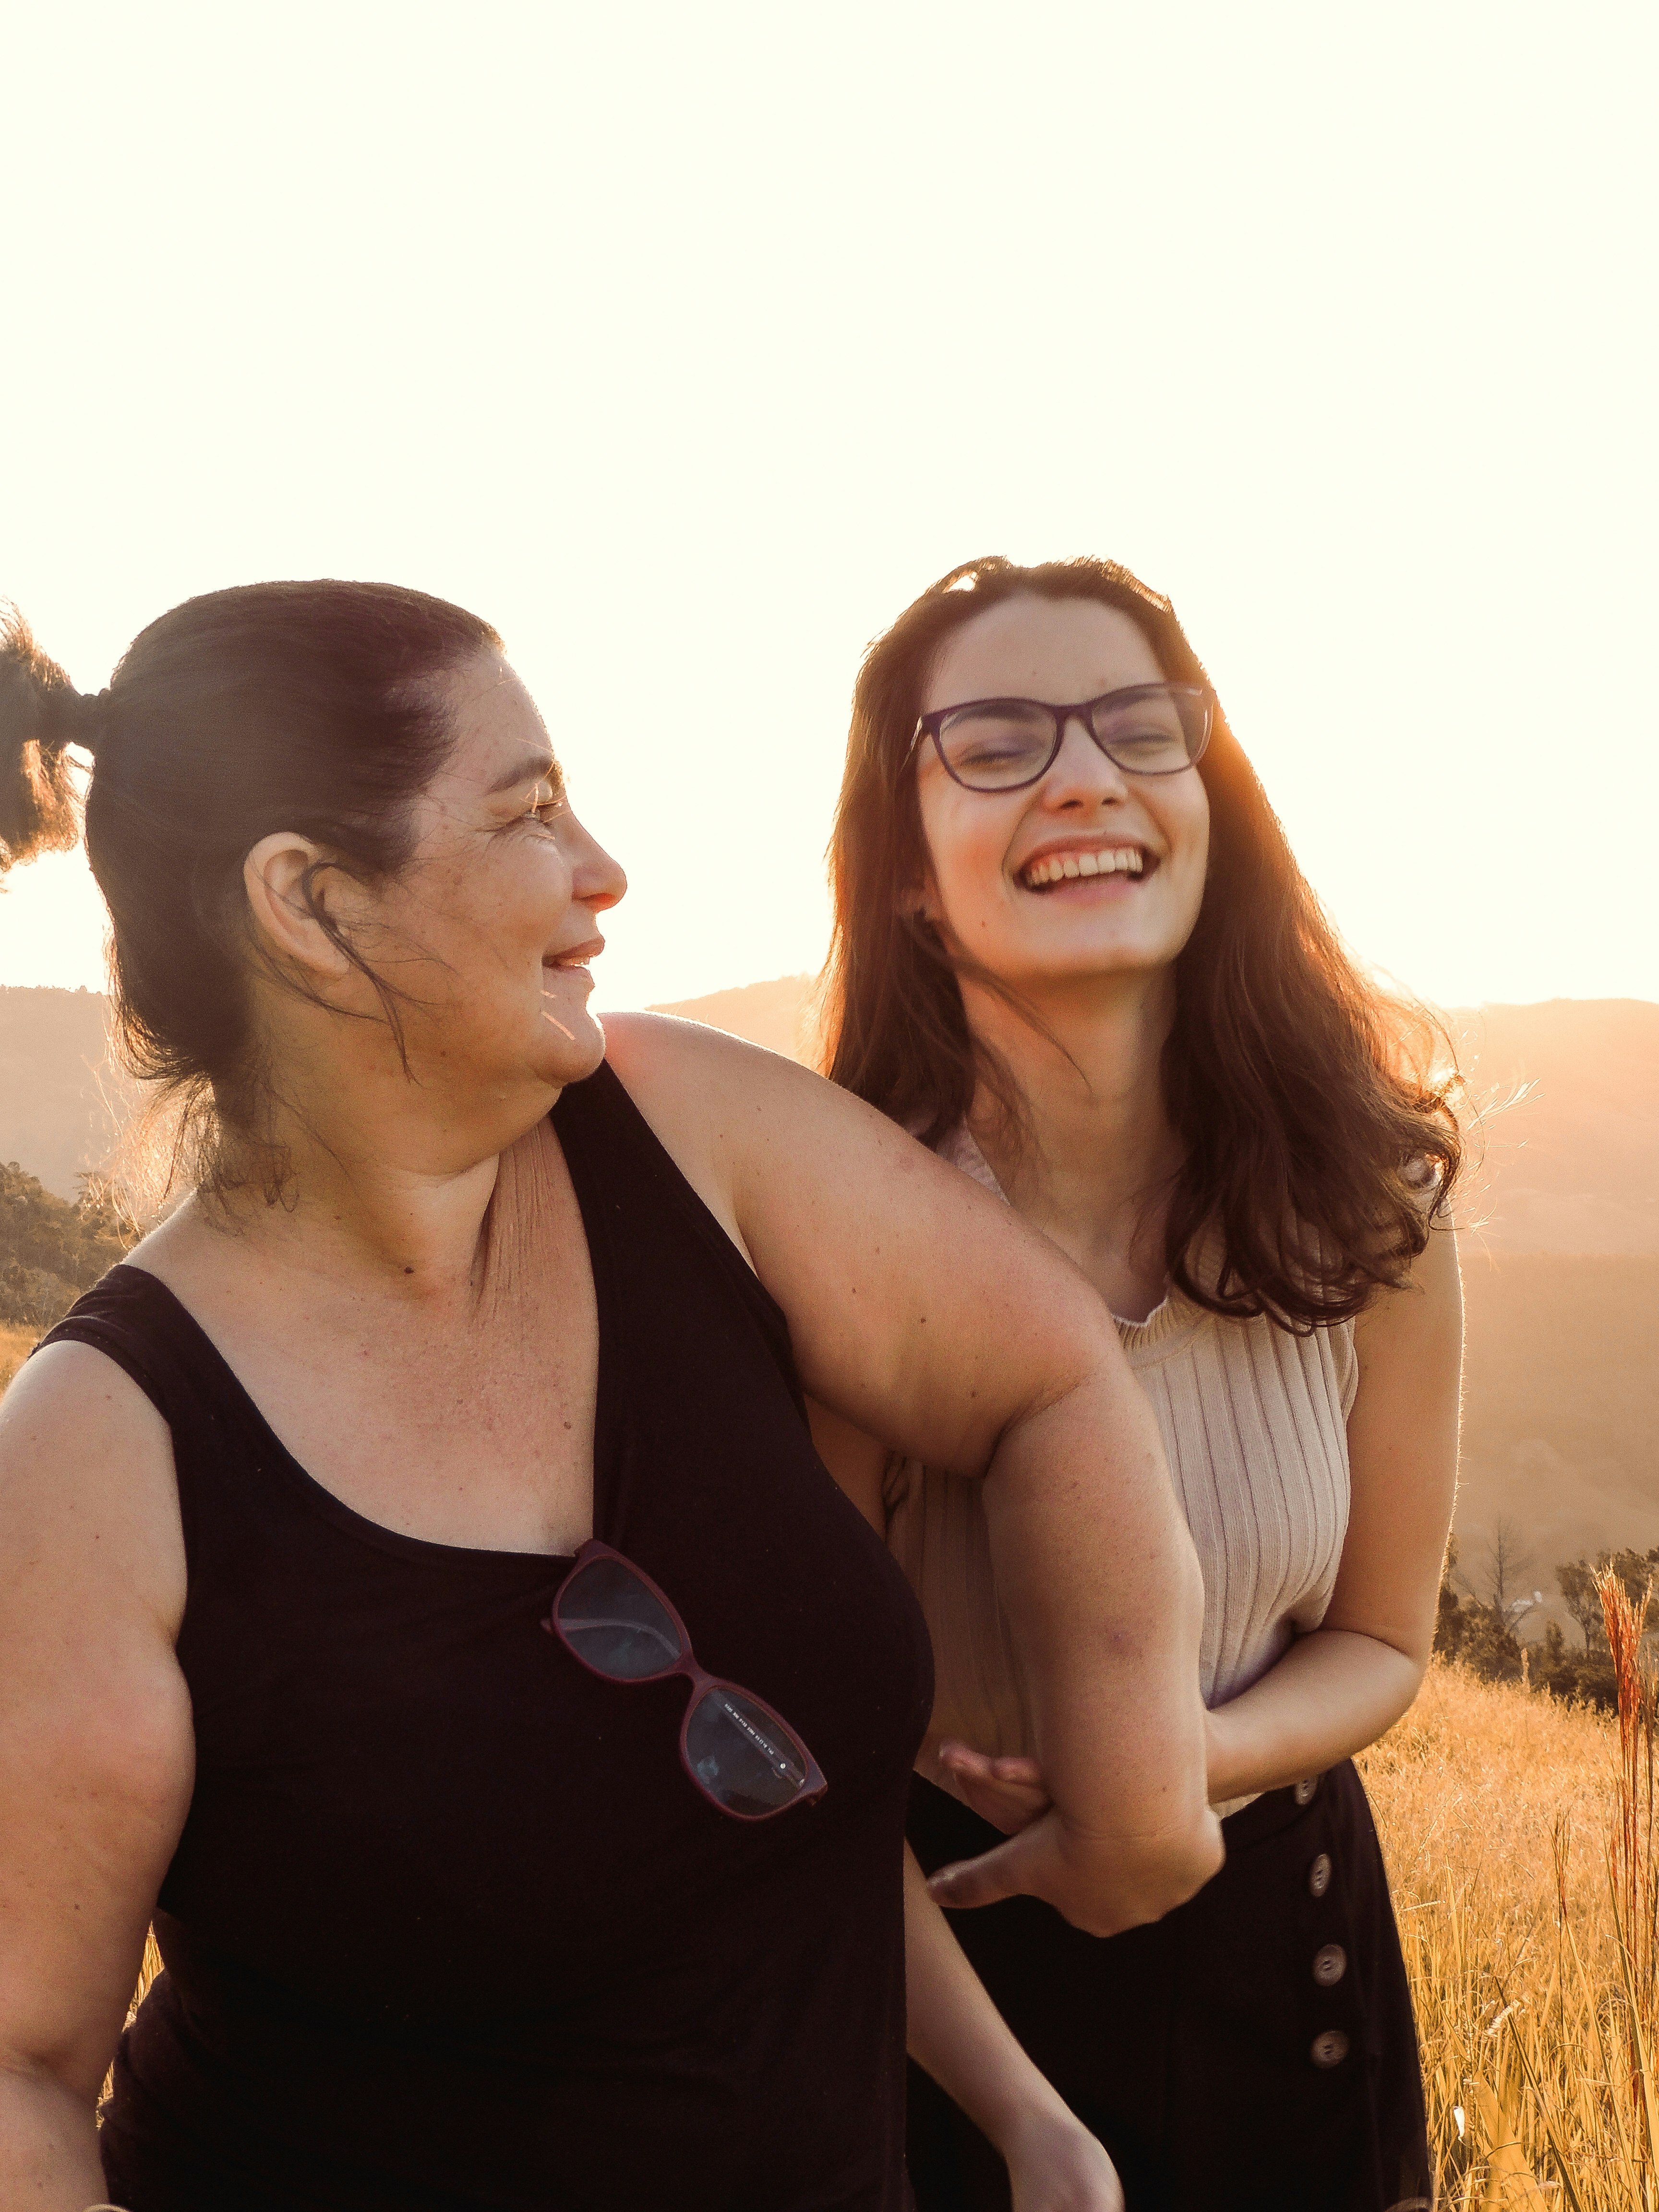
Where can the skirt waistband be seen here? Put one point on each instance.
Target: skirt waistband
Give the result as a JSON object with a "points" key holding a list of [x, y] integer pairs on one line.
{"points": [[1277, 1809]]}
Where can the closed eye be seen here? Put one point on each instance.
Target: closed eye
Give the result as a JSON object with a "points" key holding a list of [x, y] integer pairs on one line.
{"points": [[548, 800]]}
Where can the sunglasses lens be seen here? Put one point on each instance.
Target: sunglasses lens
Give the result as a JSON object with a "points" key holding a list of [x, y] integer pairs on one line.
{"points": [[610, 1619], [743, 1758]]}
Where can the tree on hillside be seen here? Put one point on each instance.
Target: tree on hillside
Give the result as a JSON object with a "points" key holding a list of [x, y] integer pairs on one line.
{"points": [[1449, 1620], [1478, 1635], [50, 1250], [1577, 1584], [1509, 1561], [1489, 1647], [1636, 1570], [1587, 1677]]}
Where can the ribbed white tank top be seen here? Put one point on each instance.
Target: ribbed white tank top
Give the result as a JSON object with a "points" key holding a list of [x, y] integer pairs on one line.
{"points": [[1254, 1428]]}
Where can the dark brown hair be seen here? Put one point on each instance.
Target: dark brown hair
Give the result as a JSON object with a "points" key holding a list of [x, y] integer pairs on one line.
{"points": [[274, 707], [1307, 1104]]}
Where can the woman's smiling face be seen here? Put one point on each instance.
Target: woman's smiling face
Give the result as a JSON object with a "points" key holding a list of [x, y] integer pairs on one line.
{"points": [[1006, 884], [488, 929]]}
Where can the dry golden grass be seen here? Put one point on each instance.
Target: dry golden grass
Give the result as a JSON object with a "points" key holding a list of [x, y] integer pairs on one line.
{"points": [[16, 1342], [1495, 1807]]}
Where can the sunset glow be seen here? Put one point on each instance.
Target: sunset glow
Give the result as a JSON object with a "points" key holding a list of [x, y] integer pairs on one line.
{"points": [[688, 349]]}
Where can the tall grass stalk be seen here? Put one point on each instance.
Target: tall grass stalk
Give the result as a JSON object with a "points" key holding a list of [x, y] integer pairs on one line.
{"points": [[1632, 1877], [1520, 1835]]}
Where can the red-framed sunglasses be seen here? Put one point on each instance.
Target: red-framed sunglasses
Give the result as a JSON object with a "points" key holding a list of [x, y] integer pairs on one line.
{"points": [[743, 1757]]}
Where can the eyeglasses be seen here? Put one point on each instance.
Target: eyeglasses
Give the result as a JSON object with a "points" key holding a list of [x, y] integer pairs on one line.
{"points": [[743, 1757], [1004, 745]]}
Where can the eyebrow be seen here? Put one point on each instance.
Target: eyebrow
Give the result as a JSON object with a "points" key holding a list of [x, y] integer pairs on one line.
{"points": [[533, 768]]}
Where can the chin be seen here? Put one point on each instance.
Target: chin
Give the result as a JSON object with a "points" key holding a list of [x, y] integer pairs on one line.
{"points": [[567, 1058]]}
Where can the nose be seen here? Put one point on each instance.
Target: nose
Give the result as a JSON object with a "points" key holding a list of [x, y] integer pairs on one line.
{"points": [[1081, 775], [596, 880]]}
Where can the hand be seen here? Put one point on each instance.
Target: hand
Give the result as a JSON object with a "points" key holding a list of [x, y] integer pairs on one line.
{"points": [[1055, 2165], [1010, 1793], [1101, 1884]]}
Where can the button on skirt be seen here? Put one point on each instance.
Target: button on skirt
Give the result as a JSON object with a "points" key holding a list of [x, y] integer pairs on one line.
{"points": [[1253, 2052]]}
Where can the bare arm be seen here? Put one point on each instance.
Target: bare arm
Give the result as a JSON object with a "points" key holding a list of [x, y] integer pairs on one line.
{"points": [[926, 1314], [96, 1751], [956, 2033], [1337, 1690]]}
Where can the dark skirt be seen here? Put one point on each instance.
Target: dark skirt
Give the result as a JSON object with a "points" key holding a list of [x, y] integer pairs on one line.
{"points": [[1255, 2051]]}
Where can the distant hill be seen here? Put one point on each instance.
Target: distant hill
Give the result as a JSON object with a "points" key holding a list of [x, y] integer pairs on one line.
{"points": [[57, 1097], [1567, 1159], [1561, 1406], [1572, 1165], [778, 1014]]}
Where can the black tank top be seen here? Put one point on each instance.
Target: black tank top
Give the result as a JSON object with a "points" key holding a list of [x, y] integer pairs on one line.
{"points": [[448, 1926]]}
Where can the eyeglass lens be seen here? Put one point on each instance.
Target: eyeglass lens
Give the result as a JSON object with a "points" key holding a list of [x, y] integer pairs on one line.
{"points": [[612, 1621], [739, 1754], [742, 1755], [1001, 743]]}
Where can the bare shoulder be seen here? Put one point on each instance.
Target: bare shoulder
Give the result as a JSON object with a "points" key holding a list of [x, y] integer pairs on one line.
{"points": [[687, 1070], [737, 1119], [685, 1075], [89, 1502], [1426, 1312]]}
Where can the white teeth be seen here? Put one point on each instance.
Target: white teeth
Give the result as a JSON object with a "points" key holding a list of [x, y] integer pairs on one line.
{"points": [[1116, 860]]}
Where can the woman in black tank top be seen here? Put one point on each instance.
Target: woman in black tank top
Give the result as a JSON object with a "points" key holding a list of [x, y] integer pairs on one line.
{"points": [[448, 1919], [390, 1897]]}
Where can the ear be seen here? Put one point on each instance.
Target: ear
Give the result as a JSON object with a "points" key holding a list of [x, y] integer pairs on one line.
{"points": [[918, 903], [284, 904]]}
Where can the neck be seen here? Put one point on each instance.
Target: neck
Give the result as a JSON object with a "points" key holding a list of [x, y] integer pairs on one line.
{"points": [[1093, 1164], [388, 1194]]}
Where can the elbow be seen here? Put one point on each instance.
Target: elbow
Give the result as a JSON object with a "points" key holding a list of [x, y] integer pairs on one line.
{"points": [[1160, 1877], [1203, 1859], [1194, 1859]]}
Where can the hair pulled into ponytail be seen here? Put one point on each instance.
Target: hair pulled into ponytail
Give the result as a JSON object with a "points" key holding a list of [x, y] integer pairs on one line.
{"points": [[41, 713], [298, 707]]}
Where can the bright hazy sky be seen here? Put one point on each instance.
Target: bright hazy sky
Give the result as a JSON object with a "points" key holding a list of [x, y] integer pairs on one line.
{"points": [[687, 345]]}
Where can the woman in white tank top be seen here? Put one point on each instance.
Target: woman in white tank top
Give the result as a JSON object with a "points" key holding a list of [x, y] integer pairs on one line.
{"points": [[1074, 954]]}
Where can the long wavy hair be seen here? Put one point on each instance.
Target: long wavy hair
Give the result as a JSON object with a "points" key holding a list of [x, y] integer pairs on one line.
{"points": [[1316, 1115]]}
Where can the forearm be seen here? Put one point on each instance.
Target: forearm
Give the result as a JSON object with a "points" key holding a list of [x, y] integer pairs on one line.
{"points": [[49, 2157], [1097, 1574], [1333, 1692], [955, 2031]]}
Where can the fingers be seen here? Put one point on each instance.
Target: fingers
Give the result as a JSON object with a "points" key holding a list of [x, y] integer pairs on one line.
{"points": [[1097, 1890], [962, 1759], [972, 1882], [1008, 1792]]}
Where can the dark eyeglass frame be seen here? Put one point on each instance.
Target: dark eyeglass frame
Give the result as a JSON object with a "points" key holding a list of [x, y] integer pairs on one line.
{"points": [[1082, 710], [700, 1680]]}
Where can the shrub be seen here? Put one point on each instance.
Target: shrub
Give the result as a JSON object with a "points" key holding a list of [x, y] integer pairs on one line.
{"points": [[52, 1250]]}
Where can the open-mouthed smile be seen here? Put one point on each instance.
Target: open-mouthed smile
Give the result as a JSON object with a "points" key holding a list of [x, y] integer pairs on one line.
{"points": [[1051, 869]]}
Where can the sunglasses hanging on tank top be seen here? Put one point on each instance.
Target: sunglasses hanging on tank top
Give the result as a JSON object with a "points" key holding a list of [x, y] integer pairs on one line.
{"points": [[742, 1756]]}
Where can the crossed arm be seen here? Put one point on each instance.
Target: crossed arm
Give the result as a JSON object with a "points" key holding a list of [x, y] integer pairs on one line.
{"points": [[925, 1312]]}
